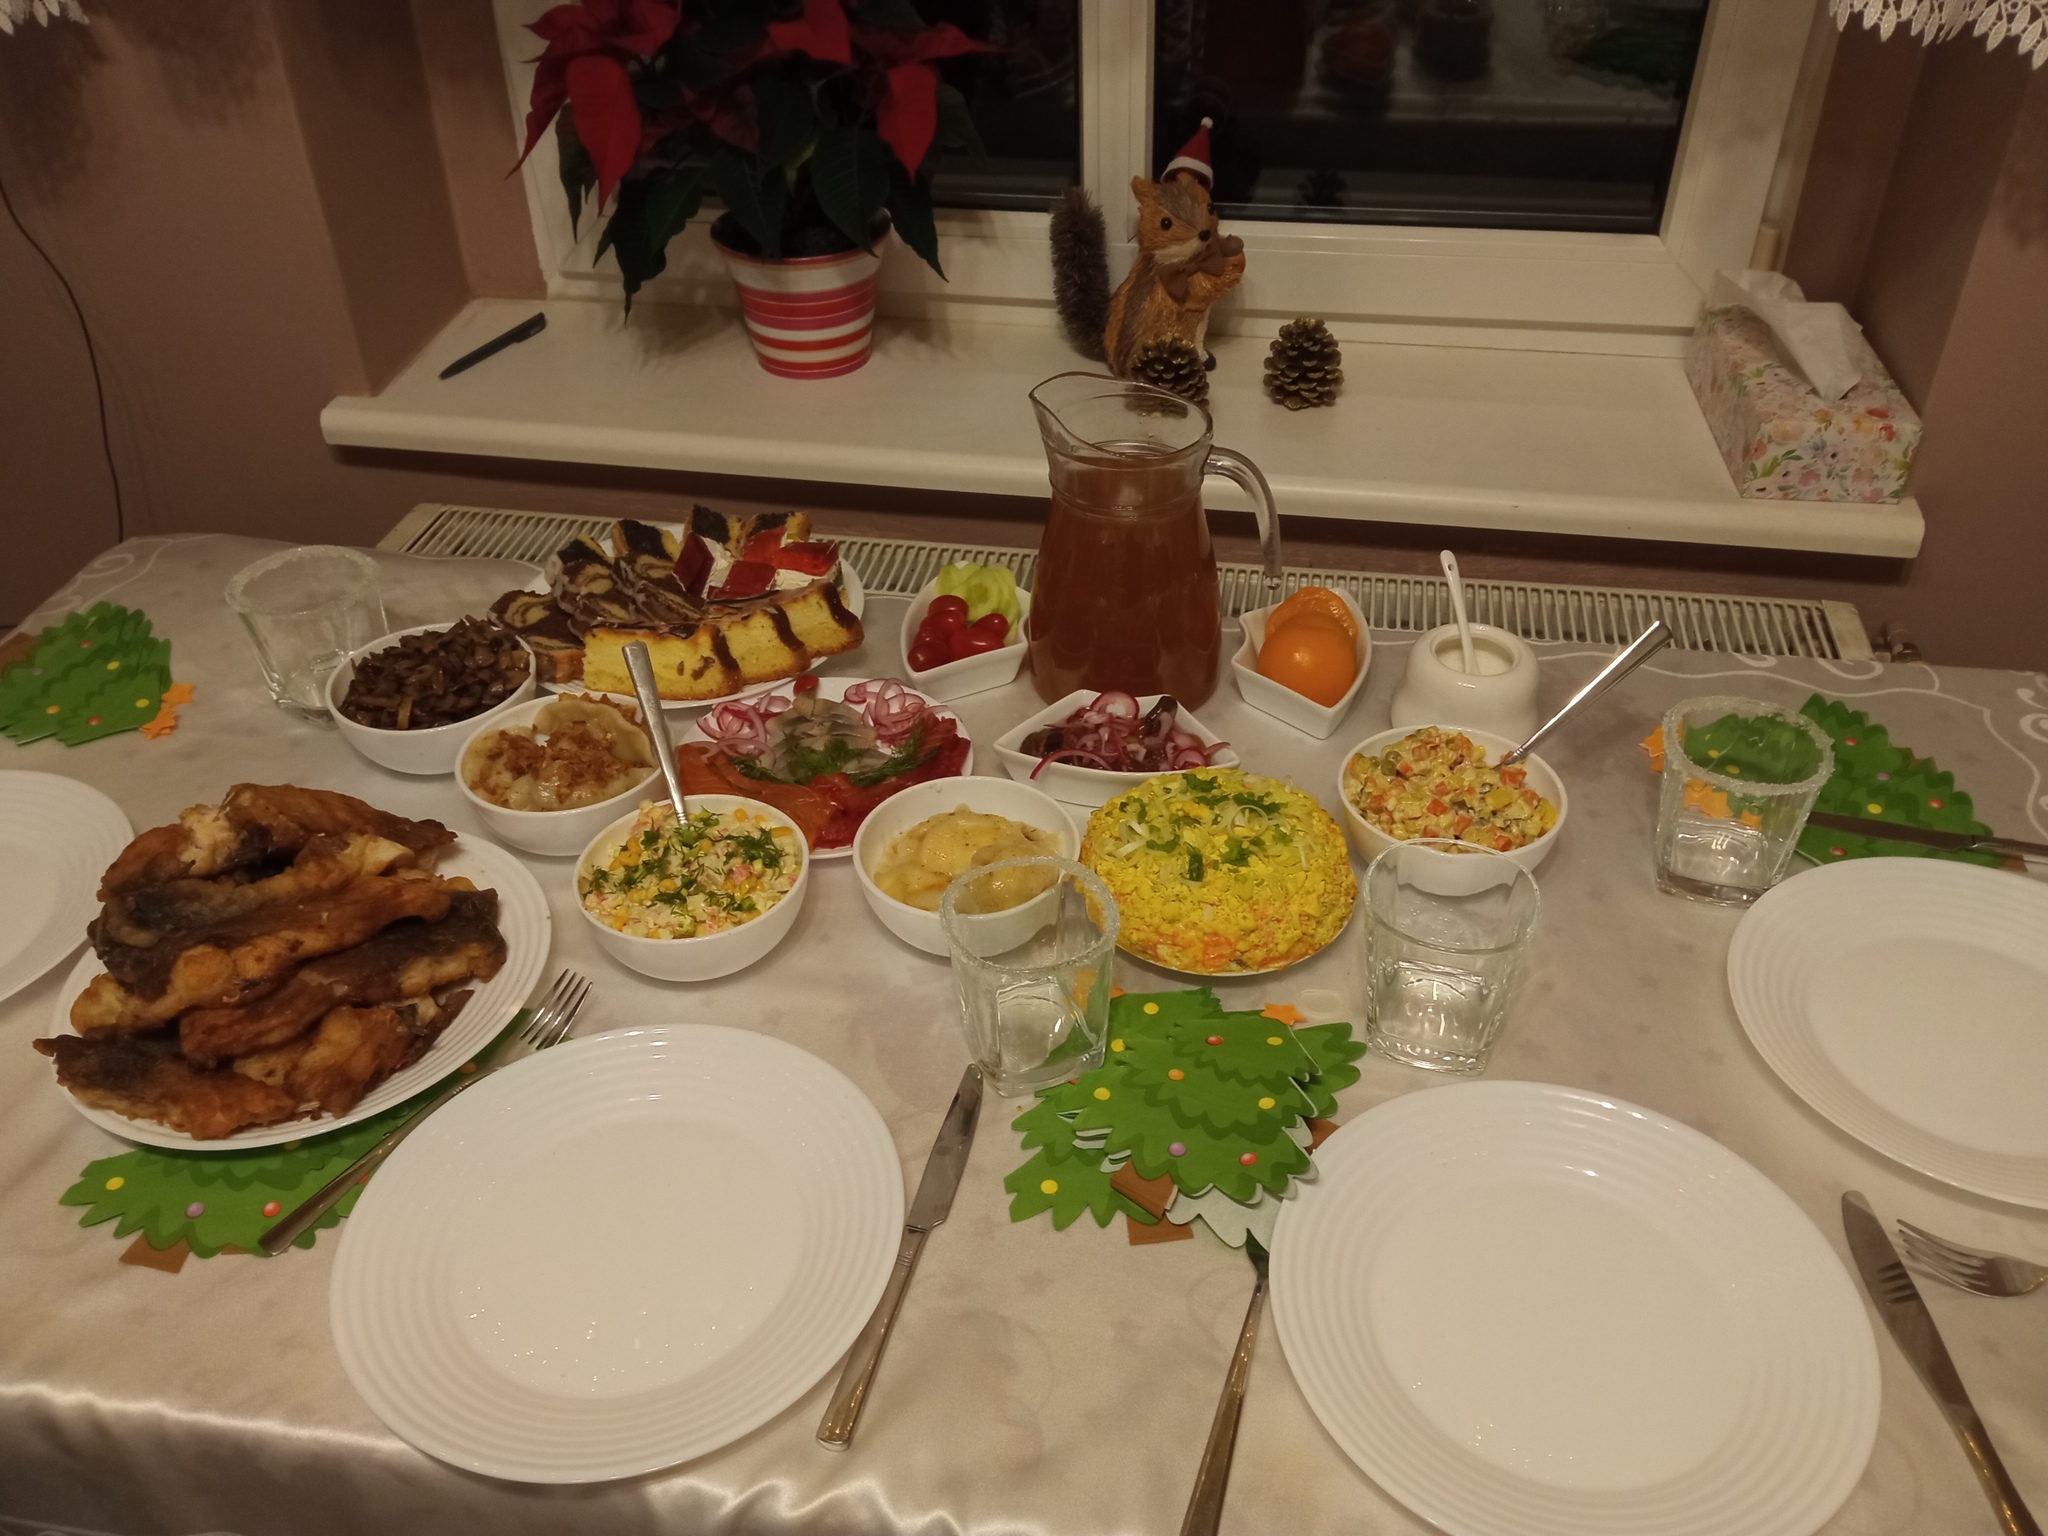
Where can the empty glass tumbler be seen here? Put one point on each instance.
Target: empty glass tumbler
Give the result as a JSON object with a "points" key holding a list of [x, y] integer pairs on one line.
{"points": [[1034, 978], [305, 610], [1447, 931], [1739, 779]]}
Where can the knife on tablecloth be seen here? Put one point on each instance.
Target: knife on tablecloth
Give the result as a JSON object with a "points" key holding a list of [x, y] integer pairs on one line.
{"points": [[1912, 1325], [934, 1199], [1927, 837]]}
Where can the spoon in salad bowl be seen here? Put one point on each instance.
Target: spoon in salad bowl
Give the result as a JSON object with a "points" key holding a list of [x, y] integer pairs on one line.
{"points": [[641, 665]]}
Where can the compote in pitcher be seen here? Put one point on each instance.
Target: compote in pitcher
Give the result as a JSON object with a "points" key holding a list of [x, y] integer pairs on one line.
{"points": [[1125, 596]]}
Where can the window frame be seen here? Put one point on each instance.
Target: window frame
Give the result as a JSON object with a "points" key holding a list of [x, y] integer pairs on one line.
{"points": [[1528, 289]]}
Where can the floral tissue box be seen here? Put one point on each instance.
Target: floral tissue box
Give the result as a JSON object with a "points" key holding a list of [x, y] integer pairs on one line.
{"points": [[1779, 439]]}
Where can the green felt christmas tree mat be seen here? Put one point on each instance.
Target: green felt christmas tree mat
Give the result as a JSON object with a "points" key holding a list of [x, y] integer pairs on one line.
{"points": [[1875, 778], [95, 674], [1213, 1100], [214, 1201]]}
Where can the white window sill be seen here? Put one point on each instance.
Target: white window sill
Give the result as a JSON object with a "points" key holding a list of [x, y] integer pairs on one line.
{"points": [[1544, 442]]}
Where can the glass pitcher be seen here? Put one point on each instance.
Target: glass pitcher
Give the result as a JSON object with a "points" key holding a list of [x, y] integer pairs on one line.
{"points": [[1125, 596]]}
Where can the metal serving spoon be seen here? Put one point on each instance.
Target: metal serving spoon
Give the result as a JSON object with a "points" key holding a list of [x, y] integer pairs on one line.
{"points": [[641, 665], [1639, 650]]}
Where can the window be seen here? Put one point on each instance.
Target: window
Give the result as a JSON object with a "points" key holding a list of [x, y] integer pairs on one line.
{"points": [[1575, 193]]}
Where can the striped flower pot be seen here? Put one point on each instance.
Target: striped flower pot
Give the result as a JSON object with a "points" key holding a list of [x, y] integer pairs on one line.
{"points": [[810, 317]]}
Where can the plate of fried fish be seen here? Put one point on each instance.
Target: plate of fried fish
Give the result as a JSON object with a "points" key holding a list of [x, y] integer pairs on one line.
{"points": [[288, 962]]}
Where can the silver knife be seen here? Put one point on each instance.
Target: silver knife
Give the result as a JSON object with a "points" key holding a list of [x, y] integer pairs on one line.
{"points": [[1927, 837], [929, 1207], [1906, 1315]]}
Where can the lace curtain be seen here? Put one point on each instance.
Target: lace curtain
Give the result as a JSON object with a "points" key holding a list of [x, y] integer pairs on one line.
{"points": [[25, 11], [2024, 21]]}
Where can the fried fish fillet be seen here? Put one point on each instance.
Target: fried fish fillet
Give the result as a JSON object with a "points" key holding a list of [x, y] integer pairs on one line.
{"points": [[352, 1051], [145, 1078], [406, 960], [252, 956], [182, 910], [256, 824]]}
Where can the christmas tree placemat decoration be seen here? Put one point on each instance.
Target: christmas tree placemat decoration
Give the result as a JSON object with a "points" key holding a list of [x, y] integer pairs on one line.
{"points": [[1873, 778], [207, 1203], [95, 674], [1195, 1112]]}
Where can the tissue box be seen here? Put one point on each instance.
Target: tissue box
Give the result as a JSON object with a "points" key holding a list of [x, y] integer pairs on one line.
{"points": [[1779, 439]]}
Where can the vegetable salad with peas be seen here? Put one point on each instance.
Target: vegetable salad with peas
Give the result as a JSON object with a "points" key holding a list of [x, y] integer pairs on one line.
{"points": [[711, 872], [1437, 783]]}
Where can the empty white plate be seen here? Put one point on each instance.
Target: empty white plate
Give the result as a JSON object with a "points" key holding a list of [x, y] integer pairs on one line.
{"points": [[1527, 1310], [1907, 1000], [523, 919], [56, 837], [619, 1254]]}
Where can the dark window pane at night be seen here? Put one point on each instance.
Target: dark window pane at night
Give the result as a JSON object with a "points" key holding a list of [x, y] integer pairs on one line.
{"points": [[1506, 114], [1023, 101]]}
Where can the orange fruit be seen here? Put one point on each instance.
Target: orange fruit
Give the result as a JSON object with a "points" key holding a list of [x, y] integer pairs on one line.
{"points": [[1312, 657], [1316, 602]]}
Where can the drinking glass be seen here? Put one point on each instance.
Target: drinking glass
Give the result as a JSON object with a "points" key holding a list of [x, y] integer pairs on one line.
{"points": [[1448, 928], [1733, 804], [1034, 978], [305, 610]]}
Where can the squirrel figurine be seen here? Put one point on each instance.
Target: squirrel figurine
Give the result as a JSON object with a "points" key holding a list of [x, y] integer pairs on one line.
{"points": [[1185, 263]]}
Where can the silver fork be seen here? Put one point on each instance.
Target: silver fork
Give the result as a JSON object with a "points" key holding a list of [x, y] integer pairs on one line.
{"points": [[548, 1025], [1212, 1478], [1971, 1269]]}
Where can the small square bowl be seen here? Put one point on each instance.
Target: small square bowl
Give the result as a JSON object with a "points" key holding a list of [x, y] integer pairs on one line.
{"points": [[1077, 785], [970, 674], [1284, 704], [432, 749], [905, 809]]}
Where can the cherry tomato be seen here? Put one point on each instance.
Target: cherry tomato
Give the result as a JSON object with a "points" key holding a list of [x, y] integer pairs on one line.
{"points": [[931, 630], [927, 654], [949, 613], [974, 640], [994, 623], [806, 684]]}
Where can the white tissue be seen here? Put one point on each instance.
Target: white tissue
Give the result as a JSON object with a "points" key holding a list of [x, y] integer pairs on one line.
{"points": [[1819, 340]]}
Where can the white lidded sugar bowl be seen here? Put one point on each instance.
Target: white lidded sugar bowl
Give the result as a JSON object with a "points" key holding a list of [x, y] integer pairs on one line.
{"points": [[1499, 695]]}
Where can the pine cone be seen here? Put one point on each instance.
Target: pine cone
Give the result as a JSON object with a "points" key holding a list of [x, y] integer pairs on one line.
{"points": [[1303, 366], [1172, 364]]}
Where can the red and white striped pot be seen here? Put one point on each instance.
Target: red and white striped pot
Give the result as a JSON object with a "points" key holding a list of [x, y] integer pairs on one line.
{"points": [[810, 317]]}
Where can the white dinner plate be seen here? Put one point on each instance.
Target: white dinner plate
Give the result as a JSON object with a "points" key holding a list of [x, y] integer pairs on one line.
{"points": [[523, 919], [619, 1254], [56, 837], [835, 688], [1528, 1310], [1907, 1001], [851, 592]]}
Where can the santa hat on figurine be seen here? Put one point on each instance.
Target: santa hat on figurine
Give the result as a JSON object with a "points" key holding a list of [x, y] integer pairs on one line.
{"points": [[1194, 157]]}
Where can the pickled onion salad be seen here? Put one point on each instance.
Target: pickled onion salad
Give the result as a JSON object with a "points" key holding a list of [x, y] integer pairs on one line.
{"points": [[824, 763], [1116, 733]]}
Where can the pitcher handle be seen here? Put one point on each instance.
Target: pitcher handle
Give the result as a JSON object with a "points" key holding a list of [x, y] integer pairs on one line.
{"points": [[1236, 467]]}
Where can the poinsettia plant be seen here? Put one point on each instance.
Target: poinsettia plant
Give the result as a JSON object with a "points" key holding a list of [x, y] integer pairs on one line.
{"points": [[808, 119]]}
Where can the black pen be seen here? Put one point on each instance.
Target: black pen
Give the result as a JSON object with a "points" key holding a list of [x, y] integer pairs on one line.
{"points": [[520, 332]]}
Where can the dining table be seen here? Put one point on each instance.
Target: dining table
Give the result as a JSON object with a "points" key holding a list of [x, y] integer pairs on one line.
{"points": [[1038, 1382]]}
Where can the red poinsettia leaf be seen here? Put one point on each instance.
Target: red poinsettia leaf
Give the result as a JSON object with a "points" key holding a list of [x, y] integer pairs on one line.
{"points": [[567, 28], [607, 117], [909, 114], [550, 90], [821, 32], [644, 25], [943, 42]]}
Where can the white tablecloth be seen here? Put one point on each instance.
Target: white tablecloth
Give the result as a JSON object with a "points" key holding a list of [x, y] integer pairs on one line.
{"points": [[1037, 1382]]}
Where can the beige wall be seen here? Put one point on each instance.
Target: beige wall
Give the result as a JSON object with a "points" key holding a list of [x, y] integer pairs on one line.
{"points": [[264, 203]]}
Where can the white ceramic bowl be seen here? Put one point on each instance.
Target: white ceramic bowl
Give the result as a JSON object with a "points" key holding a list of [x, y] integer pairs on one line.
{"points": [[1073, 783], [1436, 689], [970, 674], [1284, 704], [902, 811], [557, 834], [1371, 842], [433, 750], [713, 954]]}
